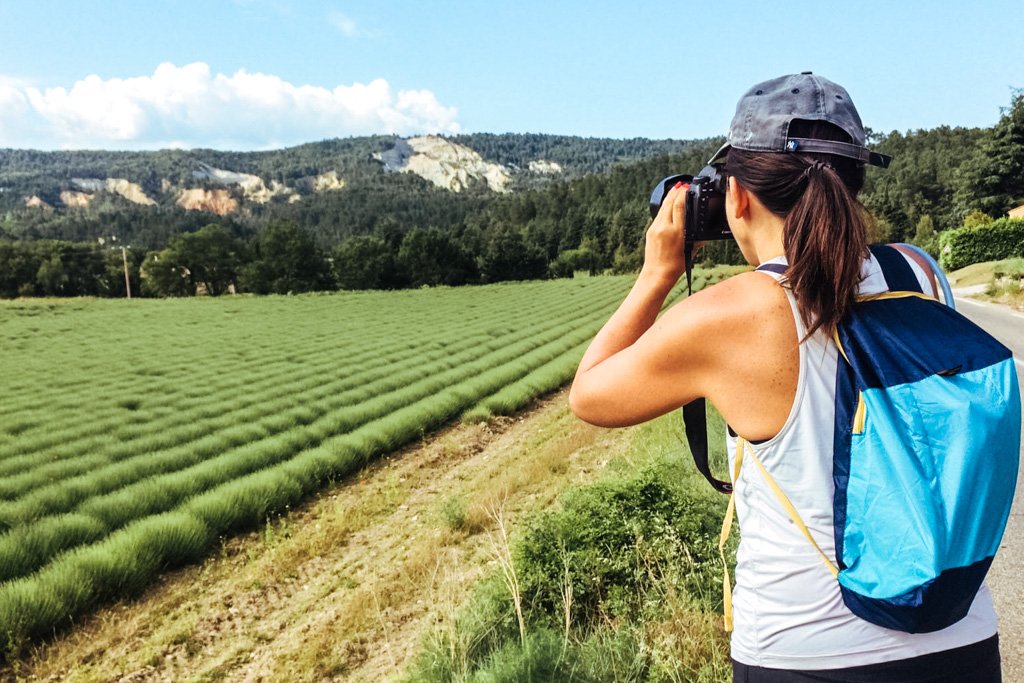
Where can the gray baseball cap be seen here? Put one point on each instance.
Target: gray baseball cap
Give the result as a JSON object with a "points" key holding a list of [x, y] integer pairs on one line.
{"points": [[763, 115]]}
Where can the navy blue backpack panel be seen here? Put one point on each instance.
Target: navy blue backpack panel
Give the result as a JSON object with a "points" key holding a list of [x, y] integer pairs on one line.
{"points": [[926, 449]]}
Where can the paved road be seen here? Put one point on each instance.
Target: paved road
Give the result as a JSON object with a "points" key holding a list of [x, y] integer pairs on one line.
{"points": [[1006, 578]]}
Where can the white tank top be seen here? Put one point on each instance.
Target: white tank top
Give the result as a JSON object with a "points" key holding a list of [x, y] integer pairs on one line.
{"points": [[787, 609]]}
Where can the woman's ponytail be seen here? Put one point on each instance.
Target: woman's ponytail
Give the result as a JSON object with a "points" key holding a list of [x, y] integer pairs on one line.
{"points": [[825, 230]]}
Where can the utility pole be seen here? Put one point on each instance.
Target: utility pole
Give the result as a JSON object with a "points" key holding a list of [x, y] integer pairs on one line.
{"points": [[127, 282], [124, 259]]}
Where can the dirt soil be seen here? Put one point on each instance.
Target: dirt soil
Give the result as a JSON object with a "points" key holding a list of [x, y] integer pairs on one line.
{"points": [[347, 586]]}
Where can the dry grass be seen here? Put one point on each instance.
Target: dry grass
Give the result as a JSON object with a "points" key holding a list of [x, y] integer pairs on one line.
{"points": [[345, 586], [985, 273], [1007, 291]]}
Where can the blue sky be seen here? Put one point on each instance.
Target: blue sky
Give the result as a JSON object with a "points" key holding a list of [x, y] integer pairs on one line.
{"points": [[252, 74]]}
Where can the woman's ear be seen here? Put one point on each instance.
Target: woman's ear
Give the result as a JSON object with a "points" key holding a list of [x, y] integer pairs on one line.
{"points": [[739, 198]]}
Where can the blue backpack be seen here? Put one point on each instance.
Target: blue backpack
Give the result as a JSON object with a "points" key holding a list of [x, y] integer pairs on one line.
{"points": [[926, 448], [927, 442]]}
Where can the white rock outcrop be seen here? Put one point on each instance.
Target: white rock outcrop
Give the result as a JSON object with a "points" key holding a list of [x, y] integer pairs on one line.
{"points": [[444, 163], [37, 202], [131, 191], [324, 182], [219, 202], [544, 166], [328, 182], [78, 200], [252, 186]]}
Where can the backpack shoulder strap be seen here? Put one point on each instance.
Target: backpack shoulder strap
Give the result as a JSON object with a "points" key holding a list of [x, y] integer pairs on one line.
{"points": [[790, 509], [899, 276], [916, 255]]}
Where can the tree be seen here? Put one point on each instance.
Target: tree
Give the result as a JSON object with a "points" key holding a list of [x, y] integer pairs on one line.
{"points": [[366, 262], [507, 256], [923, 177], [287, 260], [51, 276], [19, 268], [429, 256], [925, 230], [572, 260], [925, 236], [993, 179], [977, 218], [210, 257], [161, 274], [626, 260], [213, 257]]}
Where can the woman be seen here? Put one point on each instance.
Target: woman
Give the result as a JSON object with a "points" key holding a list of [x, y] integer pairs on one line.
{"points": [[759, 346]]}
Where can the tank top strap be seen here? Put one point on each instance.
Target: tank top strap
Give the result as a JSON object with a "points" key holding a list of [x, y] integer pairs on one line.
{"points": [[776, 267]]}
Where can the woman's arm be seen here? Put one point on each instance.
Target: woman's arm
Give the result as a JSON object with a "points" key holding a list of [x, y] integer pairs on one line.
{"points": [[733, 343], [663, 264], [614, 361]]}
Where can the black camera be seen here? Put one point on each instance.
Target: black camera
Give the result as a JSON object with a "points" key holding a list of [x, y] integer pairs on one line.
{"points": [[705, 205]]}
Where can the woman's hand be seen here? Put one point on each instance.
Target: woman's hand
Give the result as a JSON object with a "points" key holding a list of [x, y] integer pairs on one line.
{"points": [[665, 243]]}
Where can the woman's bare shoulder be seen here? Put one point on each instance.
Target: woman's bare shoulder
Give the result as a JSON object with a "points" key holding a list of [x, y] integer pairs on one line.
{"points": [[736, 300]]}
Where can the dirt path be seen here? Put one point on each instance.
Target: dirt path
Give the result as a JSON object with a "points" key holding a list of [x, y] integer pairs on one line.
{"points": [[346, 587]]}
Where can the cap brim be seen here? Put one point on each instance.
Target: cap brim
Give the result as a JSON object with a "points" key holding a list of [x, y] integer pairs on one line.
{"points": [[862, 154], [720, 154]]}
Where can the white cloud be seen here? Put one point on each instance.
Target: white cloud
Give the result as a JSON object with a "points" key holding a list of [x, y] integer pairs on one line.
{"points": [[343, 23], [189, 106]]}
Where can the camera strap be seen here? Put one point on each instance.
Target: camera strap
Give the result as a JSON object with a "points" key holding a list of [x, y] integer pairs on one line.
{"points": [[695, 420], [689, 267]]}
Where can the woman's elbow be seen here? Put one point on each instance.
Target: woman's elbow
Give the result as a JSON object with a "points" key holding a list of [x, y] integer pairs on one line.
{"points": [[576, 402], [589, 408]]}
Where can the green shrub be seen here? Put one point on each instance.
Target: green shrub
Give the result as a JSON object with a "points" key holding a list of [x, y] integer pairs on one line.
{"points": [[1000, 239], [27, 547], [546, 656], [616, 540], [453, 512], [465, 641]]}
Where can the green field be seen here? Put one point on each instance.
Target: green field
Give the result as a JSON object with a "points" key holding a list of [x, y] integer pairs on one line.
{"points": [[135, 434]]}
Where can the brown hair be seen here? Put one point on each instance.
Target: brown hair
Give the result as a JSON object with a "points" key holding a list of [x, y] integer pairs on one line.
{"points": [[825, 234]]}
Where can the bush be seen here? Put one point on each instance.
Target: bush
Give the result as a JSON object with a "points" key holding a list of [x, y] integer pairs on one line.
{"points": [[1000, 239], [546, 656], [616, 540], [466, 641]]}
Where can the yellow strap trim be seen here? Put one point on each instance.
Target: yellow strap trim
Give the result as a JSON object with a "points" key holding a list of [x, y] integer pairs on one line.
{"points": [[860, 415], [839, 345], [723, 538], [895, 295], [793, 514], [726, 584]]}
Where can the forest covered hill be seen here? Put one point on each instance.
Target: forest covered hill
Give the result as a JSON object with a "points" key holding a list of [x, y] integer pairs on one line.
{"points": [[387, 212]]}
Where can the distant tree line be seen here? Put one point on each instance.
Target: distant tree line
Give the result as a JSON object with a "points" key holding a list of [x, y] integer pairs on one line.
{"points": [[422, 237], [940, 178], [390, 231], [56, 268]]}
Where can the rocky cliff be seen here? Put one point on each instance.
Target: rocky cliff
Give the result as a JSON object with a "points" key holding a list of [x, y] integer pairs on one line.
{"points": [[229, 182], [130, 191], [452, 166]]}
